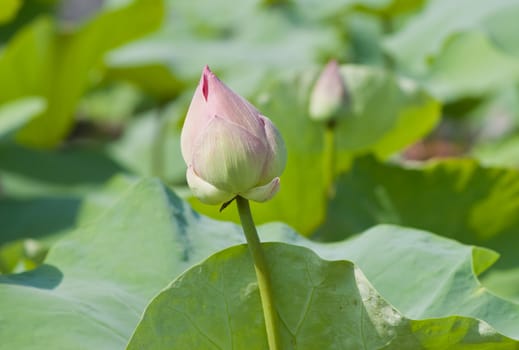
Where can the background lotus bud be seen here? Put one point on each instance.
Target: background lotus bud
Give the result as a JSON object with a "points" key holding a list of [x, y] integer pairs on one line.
{"points": [[329, 99], [230, 148]]}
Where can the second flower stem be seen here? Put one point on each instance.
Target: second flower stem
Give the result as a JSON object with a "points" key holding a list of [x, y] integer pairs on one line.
{"points": [[262, 273], [329, 160]]}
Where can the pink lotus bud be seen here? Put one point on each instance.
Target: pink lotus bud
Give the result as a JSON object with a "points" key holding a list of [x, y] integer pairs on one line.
{"points": [[329, 99], [230, 148]]}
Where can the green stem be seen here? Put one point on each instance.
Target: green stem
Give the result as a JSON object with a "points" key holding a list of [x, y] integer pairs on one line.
{"points": [[330, 159], [262, 273]]}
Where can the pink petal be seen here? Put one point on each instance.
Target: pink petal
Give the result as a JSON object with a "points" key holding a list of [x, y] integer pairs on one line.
{"points": [[197, 117], [228, 156], [224, 102], [277, 155]]}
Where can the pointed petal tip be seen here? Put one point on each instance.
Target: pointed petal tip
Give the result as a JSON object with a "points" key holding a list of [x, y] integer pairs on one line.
{"points": [[208, 79], [206, 73]]}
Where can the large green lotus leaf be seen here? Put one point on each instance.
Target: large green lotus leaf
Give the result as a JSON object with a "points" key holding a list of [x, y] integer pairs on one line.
{"points": [[440, 262], [425, 34], [64, 63], [445, 275], [100, 278], [453, 198], [329, 304], [96, 203], [388, 114]]}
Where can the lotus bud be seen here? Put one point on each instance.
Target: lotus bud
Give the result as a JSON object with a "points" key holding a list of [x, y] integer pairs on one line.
{"points": [[230, 148], [329, 99]]}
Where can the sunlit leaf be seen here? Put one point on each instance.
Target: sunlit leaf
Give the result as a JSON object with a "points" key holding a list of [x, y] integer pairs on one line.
{"points": [[157, 237], [326, 303], [98, 291]]}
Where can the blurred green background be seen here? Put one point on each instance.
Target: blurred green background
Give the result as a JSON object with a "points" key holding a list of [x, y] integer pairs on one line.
{"points": [[93, 95]]}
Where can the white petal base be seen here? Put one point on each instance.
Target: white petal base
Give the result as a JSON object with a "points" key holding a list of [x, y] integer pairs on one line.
{"points": [[204, 191], [262, 193]]}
